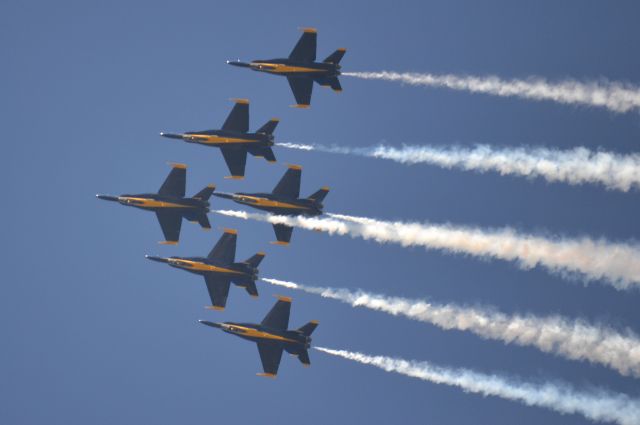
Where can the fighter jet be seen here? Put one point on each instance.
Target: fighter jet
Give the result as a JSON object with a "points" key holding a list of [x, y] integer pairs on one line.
{"points": [[219, 269], [301, 69], [234, 139], [284, 200], [272, 336], [170, 204]]}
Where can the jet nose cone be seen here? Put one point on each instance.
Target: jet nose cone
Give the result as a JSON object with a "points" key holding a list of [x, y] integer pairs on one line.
{"points": [[171, 135], [212, 324], [107, 197], [223, 195], [158, 259], [238, 63]]}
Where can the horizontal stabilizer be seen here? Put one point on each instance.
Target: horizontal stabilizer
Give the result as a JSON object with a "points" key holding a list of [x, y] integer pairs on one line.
{"points": [[308, 329], [304, 358], [263, 151], [205, 193], [336, 56], [319, 195], [269, 127], [283, 233], [332, 82], [203, 221], [256, 259], [251, 288]]}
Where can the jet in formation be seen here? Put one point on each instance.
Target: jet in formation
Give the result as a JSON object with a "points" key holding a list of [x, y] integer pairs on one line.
{"points": [[301, 68], [219, 269], [284, 200], [272, 336], [170, 204], [234, 139]]}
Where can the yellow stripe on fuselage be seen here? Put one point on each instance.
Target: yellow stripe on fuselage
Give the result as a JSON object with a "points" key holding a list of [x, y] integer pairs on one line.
{"points": [[201, 267], [264, 202], [254, 333], [150, 203], [213, 139], [278, 68]]}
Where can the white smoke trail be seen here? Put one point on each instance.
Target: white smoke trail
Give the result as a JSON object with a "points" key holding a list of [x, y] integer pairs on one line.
{"points": [[575, 340], [575, 166], [615, 96], [597, 404], [616, 263]]}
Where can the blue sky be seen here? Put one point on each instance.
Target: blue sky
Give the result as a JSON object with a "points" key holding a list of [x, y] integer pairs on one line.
{"points": [[92, 332]]}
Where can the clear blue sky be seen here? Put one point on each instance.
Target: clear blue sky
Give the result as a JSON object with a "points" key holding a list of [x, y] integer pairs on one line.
{"points": [[93, 333]]}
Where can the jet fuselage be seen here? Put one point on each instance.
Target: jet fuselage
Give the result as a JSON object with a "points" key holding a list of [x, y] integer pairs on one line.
{"points": [[155, 202], [224, 138], [291, 340], [202, 266], [276, 204], [288, 67]]}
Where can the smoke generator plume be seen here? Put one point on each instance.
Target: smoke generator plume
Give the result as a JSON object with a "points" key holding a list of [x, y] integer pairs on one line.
{"points": [[575, 340], [596, 404], [615, 263], [614, 96], [574, 166]]}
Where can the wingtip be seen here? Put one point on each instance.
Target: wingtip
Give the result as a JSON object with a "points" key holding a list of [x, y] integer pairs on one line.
{"points": [[267, 375], [242, 101], [280, 243], [230, 231], [308, 30], [301, 106], [283, 298], [168, 242], [234, 177], [214, 307], [176, 165], [294, 167]]}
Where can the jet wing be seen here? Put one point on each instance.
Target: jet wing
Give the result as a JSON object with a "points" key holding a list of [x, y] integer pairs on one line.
{"points": [[278, 317], [225, 249], [289, 184], [170, 221], [270, 355], [238, 119], [236, 159], [175, 183], [283, 233], [305, 50], [218, 290], [301, 88]]}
